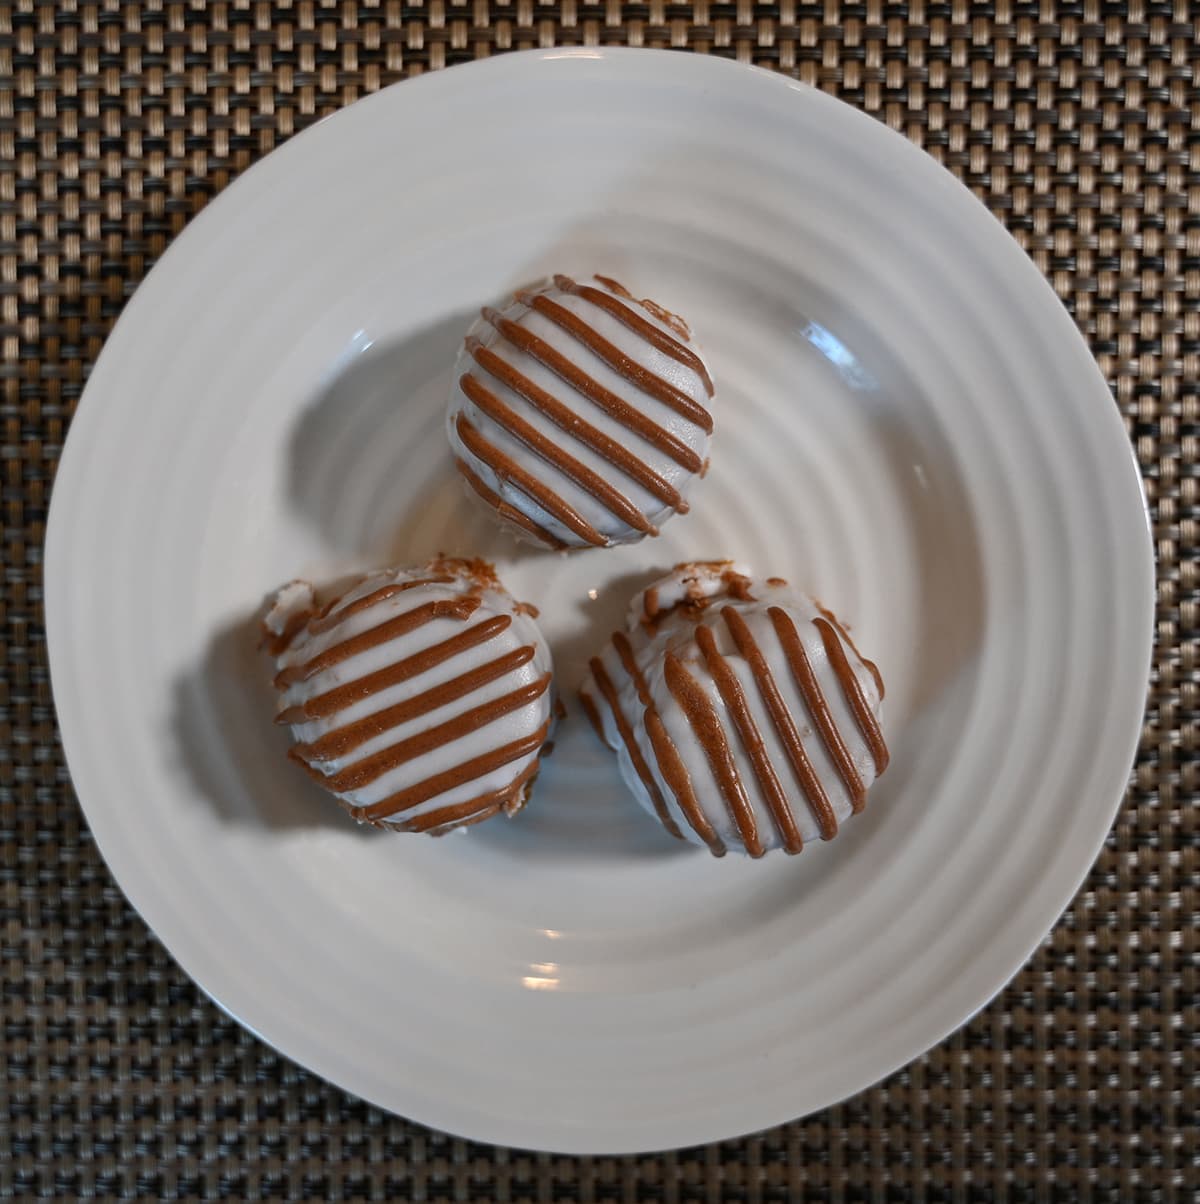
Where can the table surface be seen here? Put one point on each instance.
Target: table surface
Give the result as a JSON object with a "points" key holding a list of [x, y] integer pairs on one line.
{"points": [[1077, 124]]}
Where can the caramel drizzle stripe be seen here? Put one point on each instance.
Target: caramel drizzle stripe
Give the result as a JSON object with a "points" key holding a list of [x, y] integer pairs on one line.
{"points": [[629, 664], [734, 698], [507, 469], [497, 503], [276, 643], [785, 726], [706, 723], [469, 771], [330, 616], [650, 606], [870, 666], [810, 690], [635, 322], [669, 761], [369, 769], [337, 699], [664, 315], [675, 774], [488, 404], [461, 815], [625, 367], [627, 415], [615, 286], [593, 715], [852, 691], [381, 633], [609, 693], [346, 739], [572, 424]]}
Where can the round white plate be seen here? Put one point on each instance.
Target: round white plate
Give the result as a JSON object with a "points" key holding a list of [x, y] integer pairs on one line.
{"points": [[908, 425]]}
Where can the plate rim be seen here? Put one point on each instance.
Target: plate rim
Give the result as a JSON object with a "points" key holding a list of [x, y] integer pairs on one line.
{"points": [[1142, 592]]}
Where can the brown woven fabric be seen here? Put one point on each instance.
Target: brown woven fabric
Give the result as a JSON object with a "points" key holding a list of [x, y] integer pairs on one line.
{"points": [[1077, 123]]}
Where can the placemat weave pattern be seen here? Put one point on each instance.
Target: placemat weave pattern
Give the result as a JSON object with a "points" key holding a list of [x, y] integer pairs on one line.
{"points": [[1077, 123]]}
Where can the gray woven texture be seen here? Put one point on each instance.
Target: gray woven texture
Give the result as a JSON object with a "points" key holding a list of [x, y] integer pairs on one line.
{"points": [[1077, 124]]}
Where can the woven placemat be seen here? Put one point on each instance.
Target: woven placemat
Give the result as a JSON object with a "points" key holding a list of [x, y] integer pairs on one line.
{"points": [[1076, 123]]}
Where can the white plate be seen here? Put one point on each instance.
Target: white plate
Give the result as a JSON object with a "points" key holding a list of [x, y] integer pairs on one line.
{"points": [[907, 424]]}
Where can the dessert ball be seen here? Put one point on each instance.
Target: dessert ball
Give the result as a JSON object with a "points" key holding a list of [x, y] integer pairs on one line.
{"points": [[742, 714], [579, 414], [420, 697]]}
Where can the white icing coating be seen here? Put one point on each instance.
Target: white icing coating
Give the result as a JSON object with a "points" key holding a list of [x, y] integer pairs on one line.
{"points": [[447, 600], [665, 620], [291, 601], [601, 526]]}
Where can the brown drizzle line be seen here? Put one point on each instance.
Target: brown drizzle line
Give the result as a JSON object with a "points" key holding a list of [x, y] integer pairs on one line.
{"points": [[343, 740], [664, 315], [510, 800], [410, 620], [675, 774], [734, 698], [473, 811], [810, 689], [497, 503], [635, 322], [785, 726], [567, 420], [853, 692], [507, 469], [276, 643], [574, 470], [451, 818], [364, 772], [314, 621], [628, 369], [608, 691], [669, 762], [706, 723], [650, 605], [541, 351], [870, 666], [332, 701], [589, 709], [329, 616], [629, 663], [422, 792]]}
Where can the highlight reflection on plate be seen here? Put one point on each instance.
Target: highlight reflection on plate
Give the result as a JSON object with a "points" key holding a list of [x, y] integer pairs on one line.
{"points": [[908, 426]]}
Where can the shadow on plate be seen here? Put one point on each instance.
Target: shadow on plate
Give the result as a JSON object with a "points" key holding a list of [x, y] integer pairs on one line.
{"points": [[599, 618], [237, 757], [370, 466], [231, 746], [356, 438], [581, 810], [580, 813]]}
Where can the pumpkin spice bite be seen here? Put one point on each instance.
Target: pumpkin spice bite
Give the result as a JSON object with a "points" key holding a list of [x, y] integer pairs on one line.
{"points": [[580, 415], [741, 713], [421, 698]]}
